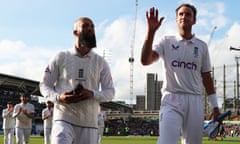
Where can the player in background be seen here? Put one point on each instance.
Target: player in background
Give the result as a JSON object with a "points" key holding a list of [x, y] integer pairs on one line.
{"points": [[8, 123], [186, 69], [24, 113], [47, 117], [101, 123], [76, 81]]}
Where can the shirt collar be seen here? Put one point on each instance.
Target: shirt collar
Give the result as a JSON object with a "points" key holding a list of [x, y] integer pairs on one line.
{"points": [[74, 51], [180, 38]]}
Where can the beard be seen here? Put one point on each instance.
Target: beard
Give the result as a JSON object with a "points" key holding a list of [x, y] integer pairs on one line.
{"points": [[87, 40]]}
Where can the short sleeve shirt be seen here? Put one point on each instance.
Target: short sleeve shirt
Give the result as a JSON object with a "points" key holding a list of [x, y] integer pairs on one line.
{"points": [[8, 120], [48, 121], [22, 121], [183, 63]]}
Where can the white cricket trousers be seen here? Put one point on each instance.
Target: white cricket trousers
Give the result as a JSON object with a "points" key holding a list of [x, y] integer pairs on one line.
{"points": [[66, 133], [181, 115], [8, 136], [100, 134], [23, 135], [47, 135]]}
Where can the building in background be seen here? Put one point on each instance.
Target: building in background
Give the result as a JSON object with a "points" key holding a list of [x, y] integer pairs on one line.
{"points": [[152, 98], [153, 93], [140, 102]]}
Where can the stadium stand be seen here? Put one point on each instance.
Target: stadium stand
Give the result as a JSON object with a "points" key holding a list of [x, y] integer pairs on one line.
{"points": [[121, 118], [11, 87]]}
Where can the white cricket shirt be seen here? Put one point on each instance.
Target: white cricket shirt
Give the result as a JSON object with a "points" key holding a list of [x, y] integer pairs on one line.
{"points": [[101, 118], [63, 73], [47, 122], [22, 121], [183, 63], [8, 120]]}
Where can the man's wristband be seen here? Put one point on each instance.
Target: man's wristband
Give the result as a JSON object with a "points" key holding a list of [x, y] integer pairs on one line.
{"points": [[212, 98]]}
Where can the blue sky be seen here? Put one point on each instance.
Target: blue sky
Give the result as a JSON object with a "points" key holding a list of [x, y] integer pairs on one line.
{"points": [[32, 31]]}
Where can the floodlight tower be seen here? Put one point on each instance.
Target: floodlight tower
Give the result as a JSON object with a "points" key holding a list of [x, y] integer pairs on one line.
{"points": [[107, 55], [131, 58], [208, 44], [211, 35]]}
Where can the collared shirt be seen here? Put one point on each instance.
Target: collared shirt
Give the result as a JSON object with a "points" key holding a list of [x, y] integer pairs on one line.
{"points": [[101, 118], [8, 120], [64, 72], [22, 121], [48, 121], [183, 63]]}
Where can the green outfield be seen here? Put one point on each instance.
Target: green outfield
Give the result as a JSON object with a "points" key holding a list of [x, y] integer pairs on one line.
{"points": [[138, 140], [153, 140]]}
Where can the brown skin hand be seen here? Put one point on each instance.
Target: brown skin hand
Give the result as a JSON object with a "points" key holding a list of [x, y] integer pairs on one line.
{"points": [[71, 97]]}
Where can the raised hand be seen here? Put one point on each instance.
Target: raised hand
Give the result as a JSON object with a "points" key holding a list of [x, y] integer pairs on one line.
{"points": [[153, 22]]}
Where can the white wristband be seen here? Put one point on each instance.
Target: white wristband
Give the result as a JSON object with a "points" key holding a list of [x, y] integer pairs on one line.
{"points": [[212, 98], [58, 98]]}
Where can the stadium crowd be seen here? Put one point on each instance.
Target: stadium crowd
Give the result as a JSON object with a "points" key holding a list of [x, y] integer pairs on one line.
{"points": [[232, 130], [133, 126], [149, 127], [113, 127]]}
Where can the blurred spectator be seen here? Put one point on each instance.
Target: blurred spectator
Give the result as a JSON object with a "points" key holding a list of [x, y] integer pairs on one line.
{"points": [[47, 117], [8, 123], [24, 113]]}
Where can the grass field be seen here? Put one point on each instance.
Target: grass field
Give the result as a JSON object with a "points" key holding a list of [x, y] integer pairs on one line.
{"points": [[153, 140], [136, 140]]}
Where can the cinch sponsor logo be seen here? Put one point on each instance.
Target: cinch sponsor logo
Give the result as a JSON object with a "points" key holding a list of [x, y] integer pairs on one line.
{"points": [[183, 64]]}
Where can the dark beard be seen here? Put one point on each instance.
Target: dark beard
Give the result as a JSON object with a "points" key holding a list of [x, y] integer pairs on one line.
{"points": [[87, 40]]}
